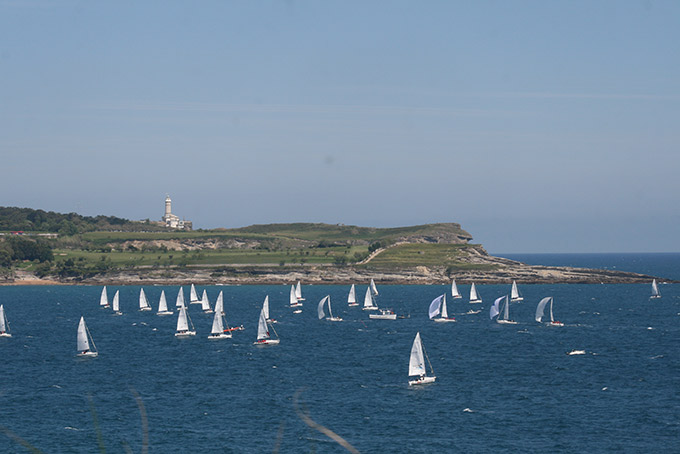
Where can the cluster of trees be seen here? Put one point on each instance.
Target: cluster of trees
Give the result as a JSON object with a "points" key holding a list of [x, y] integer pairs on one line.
{"points": [[30, 220], [17, 248]]}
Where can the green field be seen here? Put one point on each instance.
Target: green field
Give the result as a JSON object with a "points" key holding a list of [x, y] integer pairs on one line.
{"points": [[437, 255]]}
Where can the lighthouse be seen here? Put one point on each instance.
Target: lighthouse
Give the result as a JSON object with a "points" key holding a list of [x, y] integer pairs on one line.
{"points": [[171, 220]]}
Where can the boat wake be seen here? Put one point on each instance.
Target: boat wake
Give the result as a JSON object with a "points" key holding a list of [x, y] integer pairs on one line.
{"points": [[71, 428], [467, 410]]}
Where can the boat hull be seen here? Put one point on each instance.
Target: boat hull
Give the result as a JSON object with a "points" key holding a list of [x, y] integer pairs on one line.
{"points": [[5, 335], [165, 313], [655, 297], [444, 320], [515, 300], [371, 308], [472, 312], [267, 342], [144, 309], [87, 354], [506, 322], [185, 334], [555, 324], [334, 319], [352, 304], [422, 381], [382, 316], [219, 336], [475, 301]]}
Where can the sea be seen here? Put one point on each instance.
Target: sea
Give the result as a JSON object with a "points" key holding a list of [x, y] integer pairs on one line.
{"points": [[343, 387]]}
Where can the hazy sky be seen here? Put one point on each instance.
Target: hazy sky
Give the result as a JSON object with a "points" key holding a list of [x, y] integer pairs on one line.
{"points": [[540, 126]]}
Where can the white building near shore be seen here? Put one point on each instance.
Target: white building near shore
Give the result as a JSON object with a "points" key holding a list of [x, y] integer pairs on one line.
{"points": [[173, 221]]}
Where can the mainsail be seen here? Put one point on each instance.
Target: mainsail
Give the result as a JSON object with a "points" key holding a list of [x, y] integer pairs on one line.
{"points": [[352, 297], [454, 290], [182, 323], [163, 303], [262, 331], [83, 344], [416, 364], [193, 296], [116, 301], [104, 299], [180, 298]]}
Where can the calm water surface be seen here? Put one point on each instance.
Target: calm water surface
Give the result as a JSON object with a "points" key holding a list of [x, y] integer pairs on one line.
{"points": [[499, 388]]}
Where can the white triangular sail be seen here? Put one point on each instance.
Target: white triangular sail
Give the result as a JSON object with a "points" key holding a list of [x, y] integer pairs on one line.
{"points": [[655, 290], [292, 298], [262, 330], [320, 307], [506, 309], [445, 313], [103, 298], [352, 297], [474, 297], [83, 344], [416, 363], [4, 325], [368, 300], [205, 303], [193, 296], [454, 290], [182, 322], [298, 291], [541, 308], [435, 306], [116, 301], [374, 289], [514, 293], [494, 310], [219, 304], [218, 325], [162, 303], [180, 298], [143, 302]]}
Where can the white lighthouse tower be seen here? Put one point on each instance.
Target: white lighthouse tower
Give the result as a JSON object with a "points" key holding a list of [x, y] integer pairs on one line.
{"points": [[171, 220]]}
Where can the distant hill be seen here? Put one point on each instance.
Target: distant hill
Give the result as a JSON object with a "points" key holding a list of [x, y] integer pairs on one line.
{"points": [[31, 220]]}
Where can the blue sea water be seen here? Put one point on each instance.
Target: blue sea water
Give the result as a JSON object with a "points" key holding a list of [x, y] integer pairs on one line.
{"points": [[499, 388]]}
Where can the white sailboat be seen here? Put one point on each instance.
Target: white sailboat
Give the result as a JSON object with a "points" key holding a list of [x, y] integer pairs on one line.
{"points": [[163, 305], [474, 297], [374, 289], [352, 297], [321, 313], [514, 293], [454, 290], [180, 299], [104, 299], [219, 304], [84, 339], [416, 364], [143, 302], [218, 331], [4, 324], [504, 317], [294, 303], [368, 301], [298, 292], [265, 308], [263, 336], [116, 303], [438, 307], [655, 290], [205, 303], [541, 308], [193, 296], [183, 321]]}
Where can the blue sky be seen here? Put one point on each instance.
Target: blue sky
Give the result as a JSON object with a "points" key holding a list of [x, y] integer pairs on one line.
{"points": [[540, 126]]}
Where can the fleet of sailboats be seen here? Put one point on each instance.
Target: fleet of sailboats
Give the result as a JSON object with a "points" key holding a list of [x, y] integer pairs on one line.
{"points": [[4, 324], [438, 308], [416, 364], [83, 341], [321, 313], [540, 309], [655, 290]]}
